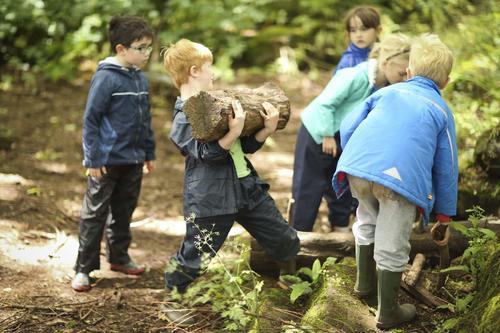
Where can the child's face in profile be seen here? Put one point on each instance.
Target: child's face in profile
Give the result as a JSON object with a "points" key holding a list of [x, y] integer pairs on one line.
{"points": [[360, 35], [206, 76], [395, 70], [137, 54]]}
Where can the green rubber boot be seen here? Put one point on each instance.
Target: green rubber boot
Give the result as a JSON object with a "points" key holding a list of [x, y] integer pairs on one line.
{"points": [[366, 275], [390, 313]]}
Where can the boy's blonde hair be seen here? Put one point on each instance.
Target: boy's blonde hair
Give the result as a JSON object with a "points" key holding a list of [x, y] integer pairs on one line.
{"points": [[393, 46], [179, 57], [431, 58]]}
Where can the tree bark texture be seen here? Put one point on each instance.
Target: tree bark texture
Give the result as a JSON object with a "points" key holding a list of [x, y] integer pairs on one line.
{"points": [[208, 111]]}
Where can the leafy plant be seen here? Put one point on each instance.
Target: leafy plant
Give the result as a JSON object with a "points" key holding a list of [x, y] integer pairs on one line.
{"points": [[233, 292], [306, 279], [482, 245]]}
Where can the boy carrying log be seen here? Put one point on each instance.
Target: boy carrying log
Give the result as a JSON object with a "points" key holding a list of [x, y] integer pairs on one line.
{"points": [[220, 184]]}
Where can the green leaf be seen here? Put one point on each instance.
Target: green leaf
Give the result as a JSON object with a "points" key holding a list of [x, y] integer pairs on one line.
{"points": [[316, 270], [33, 191], [488, 233], [460, 228], [300, 289], [458, 268], [307, 271], [462, 303], [451, 323]]}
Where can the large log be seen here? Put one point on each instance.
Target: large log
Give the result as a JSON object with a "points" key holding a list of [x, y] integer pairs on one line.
{"points": [[334, 244], [208, 111]]}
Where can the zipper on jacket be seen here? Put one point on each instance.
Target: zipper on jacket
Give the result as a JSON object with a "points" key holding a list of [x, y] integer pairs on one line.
{"points": [[140, 115]]}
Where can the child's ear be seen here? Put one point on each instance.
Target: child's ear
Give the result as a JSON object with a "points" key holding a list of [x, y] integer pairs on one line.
{"points": [[120, 49], [193, 71], [442, 86], [409, 74]]}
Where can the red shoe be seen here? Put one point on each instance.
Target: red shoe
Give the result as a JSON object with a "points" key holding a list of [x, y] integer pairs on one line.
{"points": [[131, 268]]}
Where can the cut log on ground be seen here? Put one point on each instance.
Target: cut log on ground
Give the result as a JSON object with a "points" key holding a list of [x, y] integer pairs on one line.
{"points": [[208, 112], [318, 245]]}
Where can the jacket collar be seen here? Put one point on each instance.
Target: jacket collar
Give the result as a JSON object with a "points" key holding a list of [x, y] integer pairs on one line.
{"points": [[425, 82], [112, 62], [359, 52], [179, 104]]}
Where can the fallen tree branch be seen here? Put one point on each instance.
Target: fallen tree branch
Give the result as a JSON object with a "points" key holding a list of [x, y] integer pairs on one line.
{"points": [[411, 277]]}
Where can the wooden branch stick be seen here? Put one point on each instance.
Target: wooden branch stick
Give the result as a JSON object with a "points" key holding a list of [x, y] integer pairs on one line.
{"points": [[411, 277]]}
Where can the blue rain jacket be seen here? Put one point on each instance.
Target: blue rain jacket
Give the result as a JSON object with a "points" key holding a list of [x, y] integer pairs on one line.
{"points": [[117, 122], [403, 137]]}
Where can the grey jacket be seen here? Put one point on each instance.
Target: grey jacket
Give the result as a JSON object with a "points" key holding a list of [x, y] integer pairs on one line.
{"points": [[211, 185]]}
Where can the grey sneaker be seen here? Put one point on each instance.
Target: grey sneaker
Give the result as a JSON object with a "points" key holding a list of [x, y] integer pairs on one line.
{"points": [[174, 312], [81, 282]]}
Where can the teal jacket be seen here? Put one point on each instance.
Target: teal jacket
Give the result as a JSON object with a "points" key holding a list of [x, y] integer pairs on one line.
{"points": [[346, 90]]}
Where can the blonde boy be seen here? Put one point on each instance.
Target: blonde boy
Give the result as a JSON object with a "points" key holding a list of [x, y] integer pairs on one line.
{"points": [[399, 153], [220, 184]]}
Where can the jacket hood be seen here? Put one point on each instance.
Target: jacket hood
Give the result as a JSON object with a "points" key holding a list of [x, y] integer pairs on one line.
{"points": [[113, 63]]}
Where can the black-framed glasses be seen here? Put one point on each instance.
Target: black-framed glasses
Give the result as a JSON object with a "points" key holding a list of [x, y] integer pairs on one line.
{"points": [[142, 49]]}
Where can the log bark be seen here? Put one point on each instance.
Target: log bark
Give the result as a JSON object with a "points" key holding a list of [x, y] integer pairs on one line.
{"points": [[317, 245], [208, 111]]}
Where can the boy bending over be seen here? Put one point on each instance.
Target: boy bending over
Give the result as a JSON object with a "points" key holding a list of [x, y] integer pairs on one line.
{"points": [[399, 153]]}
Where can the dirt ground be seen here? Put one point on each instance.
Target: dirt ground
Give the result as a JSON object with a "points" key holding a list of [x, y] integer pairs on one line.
{"points": [[41, 187]]}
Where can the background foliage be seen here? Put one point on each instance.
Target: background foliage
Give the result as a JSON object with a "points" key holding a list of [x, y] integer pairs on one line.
{"points": [[63, 40]]}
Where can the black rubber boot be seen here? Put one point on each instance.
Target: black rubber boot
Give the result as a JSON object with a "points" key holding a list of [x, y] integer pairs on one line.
{"points": [[390, 313], [366, 275]]}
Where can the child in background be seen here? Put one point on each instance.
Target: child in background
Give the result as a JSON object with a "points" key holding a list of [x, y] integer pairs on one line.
{"points": [[316, 150], [220, 184], [362, 29], [118, 143], [399, 152]]}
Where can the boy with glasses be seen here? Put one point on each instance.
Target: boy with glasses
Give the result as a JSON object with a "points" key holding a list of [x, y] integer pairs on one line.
{"points": [[118, 143]]}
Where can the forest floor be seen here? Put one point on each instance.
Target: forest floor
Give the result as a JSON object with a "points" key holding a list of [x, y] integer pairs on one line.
{"points": [[41, 187]]}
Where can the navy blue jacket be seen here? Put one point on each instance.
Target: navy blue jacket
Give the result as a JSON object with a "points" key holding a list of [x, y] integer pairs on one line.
{"points": [[211, 185], [117, 122], [403, 137]]}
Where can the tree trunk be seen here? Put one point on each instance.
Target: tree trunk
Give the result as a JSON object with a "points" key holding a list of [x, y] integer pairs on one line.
{"points": [[208, 111], [334, 244], [487, 153]]}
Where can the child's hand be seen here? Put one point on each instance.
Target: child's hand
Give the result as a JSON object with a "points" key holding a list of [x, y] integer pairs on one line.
{"points": [[148, 167], [329, 146], [440, 233], [237, 122], [271, 117], [96, 173]]}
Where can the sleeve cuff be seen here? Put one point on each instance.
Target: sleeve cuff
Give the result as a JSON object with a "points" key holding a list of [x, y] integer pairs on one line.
{"points": [[445, 219]]}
